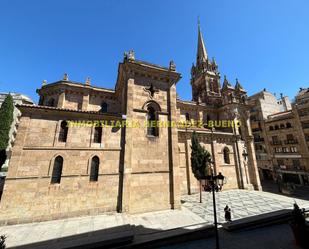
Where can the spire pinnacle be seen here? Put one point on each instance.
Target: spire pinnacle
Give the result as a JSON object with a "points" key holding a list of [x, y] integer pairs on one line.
{"points": [[201, 49], [238, 86]]}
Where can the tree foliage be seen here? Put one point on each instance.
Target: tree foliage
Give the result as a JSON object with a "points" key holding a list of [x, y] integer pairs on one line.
{"points": [[6, 119], [200, 158]]}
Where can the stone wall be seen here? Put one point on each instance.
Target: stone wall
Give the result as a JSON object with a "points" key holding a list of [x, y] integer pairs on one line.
{"points": [[150, 185], [29, 195]]}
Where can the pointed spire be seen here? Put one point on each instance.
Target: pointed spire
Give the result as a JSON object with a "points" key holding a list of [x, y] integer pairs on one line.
{"points": [[201, 49], [238, 86], [226, 83]]}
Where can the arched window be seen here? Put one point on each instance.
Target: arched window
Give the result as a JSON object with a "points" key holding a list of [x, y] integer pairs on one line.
{"points": [[57, 170], [226, 155], [276, 127], [288, 125], [63, 134], [187, 116], [51, 102], [97, 137], [104, 107], [271, 128], [282, 126], [152, 129], [94, 169]]}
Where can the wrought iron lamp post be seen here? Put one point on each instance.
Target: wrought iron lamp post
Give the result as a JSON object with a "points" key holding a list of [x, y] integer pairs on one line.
{"points": [[214, 184]]}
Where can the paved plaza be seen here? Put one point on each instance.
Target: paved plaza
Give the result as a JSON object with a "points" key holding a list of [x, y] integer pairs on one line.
{"points": [[146, 223], [242, 202]]}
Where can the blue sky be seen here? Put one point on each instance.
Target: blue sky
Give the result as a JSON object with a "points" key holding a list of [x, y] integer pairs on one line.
{"points": [[264, 43]]}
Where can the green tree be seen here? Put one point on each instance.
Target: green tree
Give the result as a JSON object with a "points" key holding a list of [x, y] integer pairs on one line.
{"points": [[6, 119], [200, 160]]}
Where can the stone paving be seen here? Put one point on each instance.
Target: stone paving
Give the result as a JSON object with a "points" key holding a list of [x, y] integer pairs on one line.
{"points": [[243, 203], [41, 231]]}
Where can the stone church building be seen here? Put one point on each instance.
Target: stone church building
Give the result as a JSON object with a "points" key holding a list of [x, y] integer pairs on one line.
{"points": [[58, 171]]}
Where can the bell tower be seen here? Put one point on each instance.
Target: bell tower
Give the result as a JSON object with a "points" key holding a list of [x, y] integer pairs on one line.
{"points": [[205, 78]]}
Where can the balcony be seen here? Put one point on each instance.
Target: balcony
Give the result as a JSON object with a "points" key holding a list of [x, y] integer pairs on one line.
{"points": [[287, 155], [291, 167], [286, 152], [291, 141], [276, 142]]}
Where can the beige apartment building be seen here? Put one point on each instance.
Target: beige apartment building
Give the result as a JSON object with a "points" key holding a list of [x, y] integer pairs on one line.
{"points": [[302, 111], [280, 138], [59, 171]]}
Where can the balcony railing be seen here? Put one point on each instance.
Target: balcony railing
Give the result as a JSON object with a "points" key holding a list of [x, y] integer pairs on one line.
{"points": [[286, 152], [291, 141], [276, 142], [291, 167]]}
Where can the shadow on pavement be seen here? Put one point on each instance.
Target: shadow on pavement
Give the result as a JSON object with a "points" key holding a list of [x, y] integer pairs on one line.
{"points": [[126, 236]]}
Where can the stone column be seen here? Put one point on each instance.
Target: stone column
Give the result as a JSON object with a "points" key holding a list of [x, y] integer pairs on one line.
{"points": [[214, 153], [188, 163], [61, 100], [200, 115], [175, 192], [252, 165], [85, 102], [127, 145]]}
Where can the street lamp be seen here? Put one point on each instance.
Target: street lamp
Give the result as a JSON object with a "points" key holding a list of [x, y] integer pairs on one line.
{"points": [[214, 183]]}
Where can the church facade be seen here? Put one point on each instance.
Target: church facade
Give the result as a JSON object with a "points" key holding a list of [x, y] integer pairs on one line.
{"points": [[59, 170]]}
